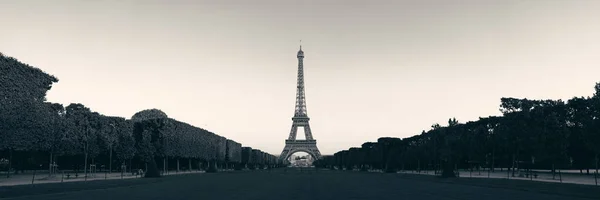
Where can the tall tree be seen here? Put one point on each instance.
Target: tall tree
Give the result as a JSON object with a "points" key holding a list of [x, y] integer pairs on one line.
{"points": [[82, 135], [592, 137], [22, 91]]}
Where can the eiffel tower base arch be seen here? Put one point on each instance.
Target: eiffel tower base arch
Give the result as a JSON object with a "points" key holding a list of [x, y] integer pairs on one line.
{"points": [[294, 146]]}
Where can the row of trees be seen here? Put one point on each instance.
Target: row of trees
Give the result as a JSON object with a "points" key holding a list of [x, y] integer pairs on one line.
{"points": [[540, 134], [254, 158], [35, 134], [159, 137]]}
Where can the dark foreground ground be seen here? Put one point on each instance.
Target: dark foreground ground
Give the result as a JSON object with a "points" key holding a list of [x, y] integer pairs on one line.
{"points": [[293, 184]]}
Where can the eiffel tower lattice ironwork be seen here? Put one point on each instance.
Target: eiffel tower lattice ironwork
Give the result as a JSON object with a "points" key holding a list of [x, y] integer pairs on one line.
{"points": [[300, 119]]}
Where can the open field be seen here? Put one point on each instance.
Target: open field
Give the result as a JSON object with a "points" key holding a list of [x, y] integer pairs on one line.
{"points": [[290, 184]]}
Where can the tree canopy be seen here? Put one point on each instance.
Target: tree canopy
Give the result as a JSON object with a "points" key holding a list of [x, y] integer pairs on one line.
{"points": [[534, 133], [34, 127]]}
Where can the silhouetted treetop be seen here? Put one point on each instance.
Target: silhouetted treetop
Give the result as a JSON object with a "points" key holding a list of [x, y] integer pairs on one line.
{"points": [[148, 114], [597, 90], [21, 81]]}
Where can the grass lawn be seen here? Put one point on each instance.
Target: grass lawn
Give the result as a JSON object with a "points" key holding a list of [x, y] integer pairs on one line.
{"points": [[307, 184]]}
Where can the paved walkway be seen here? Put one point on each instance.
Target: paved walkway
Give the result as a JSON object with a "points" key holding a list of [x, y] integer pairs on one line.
{"points": [[574, 178], [29, 178]]}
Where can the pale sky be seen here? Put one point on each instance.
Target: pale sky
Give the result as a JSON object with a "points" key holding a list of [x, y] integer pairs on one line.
{"points": [[372, 68]]}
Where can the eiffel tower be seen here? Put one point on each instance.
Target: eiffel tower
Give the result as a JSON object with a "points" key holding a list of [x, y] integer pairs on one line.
{"points": [[300, 119]]}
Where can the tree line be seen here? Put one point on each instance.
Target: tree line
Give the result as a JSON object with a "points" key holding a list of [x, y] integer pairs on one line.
{"points": [[530, 134], [36, 134]]}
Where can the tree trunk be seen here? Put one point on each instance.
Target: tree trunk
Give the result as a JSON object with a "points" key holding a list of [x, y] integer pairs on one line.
{"points": [[164, 165], [129, 166], [55, 161], [177, 165], [85, 165], [596, 163], [470, 171], [212, 168], [596, 174], [448, 170], [559, 175], [50, 166], [513, 165], [190, 164], [493, 158], [456, 170], [553, 170], [110, 161], [10, 152], [152, 169], [403, 167], [596, 178], [33, 178]]}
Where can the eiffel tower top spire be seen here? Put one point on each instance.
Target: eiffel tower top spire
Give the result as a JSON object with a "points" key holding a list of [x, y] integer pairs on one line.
{"points": [[300, 110], [300, 52]]}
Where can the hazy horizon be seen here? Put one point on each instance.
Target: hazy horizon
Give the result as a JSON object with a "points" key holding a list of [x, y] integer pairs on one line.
{"points": [[372, 69]]}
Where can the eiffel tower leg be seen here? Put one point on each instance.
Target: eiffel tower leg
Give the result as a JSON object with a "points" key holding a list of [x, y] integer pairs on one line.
{"points": [[293, 132], [307, 132], [284, 154]]}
